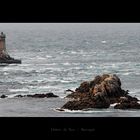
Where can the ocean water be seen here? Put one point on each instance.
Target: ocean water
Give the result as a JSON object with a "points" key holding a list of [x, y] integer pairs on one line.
{"points": [[59, 56]]}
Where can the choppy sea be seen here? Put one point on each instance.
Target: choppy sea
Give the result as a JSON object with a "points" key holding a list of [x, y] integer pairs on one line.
{"points": [[59, 56]]}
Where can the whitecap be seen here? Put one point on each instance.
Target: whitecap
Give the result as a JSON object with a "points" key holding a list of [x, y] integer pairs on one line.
{"points": [[41, 58], [73, 52], [135, 91], [91, 111], [103, 41], [84, 111], [44, 87], [13, 95], [51, 64], [66, 64], [48, 56], [90, 67], [126, 73], [62, 97], [18, 90], [5, 73], [112, 105], [64, 81]]}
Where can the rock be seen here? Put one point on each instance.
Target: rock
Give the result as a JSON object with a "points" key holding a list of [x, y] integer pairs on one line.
{"points": [[68, 91], [77, 95], [86, 103], [19, 96], [127, 104], [100, 93], [59, 109], [84, 87], [3, 96], [130, 98], [48, 95], [109, 85]]}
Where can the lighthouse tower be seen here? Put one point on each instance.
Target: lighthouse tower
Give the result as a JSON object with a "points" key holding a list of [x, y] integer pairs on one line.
{"points": [[3, 52]]}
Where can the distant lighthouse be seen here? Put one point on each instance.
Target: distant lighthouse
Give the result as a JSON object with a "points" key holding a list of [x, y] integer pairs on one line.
{"points": [[2, 45], [4, 56]]}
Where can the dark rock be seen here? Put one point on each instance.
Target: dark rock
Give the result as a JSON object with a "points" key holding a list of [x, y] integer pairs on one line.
{"points": [[100, 93], [106, 84], [127, 104], [87, 102], [109, 85], [59, 109], [19, 96], [77, 95], [48, 95], [84, 87], [130, 98], [69, 90], [3, 96]]}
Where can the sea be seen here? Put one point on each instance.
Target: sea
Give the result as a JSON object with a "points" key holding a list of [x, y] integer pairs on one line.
{"points": [[60, 56]]}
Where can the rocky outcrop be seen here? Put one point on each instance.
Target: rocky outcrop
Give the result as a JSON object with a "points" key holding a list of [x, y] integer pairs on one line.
{"points": [[47, 95], [100, 93], [87, 102], [107, 85]]}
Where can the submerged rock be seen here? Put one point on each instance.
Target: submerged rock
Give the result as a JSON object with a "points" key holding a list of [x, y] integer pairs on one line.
{"points": [[100, 93], [48, 95], [3, 96], [19, 96]]}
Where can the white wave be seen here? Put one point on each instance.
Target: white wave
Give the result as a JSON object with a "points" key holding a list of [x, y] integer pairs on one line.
{"points": [[18, 90], [112, 105], [90, 67], [47, 87], [5, 73], [62, 96], [54, 69], [84, 111], [13, 95], [48, 56], [75, 64], [51, 64], [134, 91], [7, 68], [41, 58], [62, 52], [66, 64], [114, 66], [64, 81], [44, 87], [103, 41], [109, 110], [126, 73], [73, 52]]}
